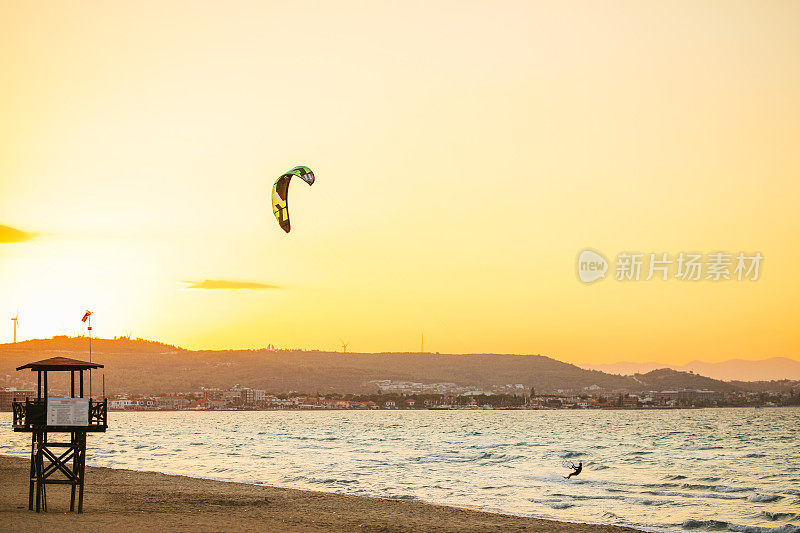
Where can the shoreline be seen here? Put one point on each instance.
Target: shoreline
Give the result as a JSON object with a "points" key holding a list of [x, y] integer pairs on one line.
{"points": [[118, 499]]}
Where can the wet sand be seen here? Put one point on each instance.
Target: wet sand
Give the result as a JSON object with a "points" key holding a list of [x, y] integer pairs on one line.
{"points": [[126, 500]]}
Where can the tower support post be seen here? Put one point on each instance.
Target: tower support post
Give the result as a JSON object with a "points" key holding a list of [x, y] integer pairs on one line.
{"points": [[48, 458]]}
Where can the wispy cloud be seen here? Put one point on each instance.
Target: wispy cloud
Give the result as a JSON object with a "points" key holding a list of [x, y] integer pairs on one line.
{"points": [[9, 234], [224, 284]]}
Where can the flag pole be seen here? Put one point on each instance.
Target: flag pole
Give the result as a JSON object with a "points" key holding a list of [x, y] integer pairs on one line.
{"points": [[87, 317], [90, 354]]}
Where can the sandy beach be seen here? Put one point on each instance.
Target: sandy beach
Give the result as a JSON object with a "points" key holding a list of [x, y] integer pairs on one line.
{"points": [[125, 500]]}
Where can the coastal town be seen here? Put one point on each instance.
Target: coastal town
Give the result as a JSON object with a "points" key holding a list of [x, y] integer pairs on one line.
{"points": [[437, 396]]}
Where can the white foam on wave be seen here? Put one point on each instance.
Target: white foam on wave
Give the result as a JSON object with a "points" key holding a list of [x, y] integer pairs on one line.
{"points": [[700, 495], [719, 525], [562, 505], [569, 453], [725, 488], [780, 516], [764, 498], [704, 524], [450, 458], [786, 528]]}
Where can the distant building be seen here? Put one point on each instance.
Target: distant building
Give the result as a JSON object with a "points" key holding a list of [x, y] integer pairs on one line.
{"points": [[630, 401], [688, 396], [172, 402], [253, 396], [7, 397], [212, 394], [120, 404]]}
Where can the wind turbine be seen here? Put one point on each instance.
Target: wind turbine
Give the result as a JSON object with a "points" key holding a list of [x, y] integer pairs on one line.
{"points": [[344, 346], [15, 320]]}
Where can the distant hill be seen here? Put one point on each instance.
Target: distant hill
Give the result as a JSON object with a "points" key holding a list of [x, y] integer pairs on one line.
{"points": [[775, 368], [147, 367], [668, 379]]}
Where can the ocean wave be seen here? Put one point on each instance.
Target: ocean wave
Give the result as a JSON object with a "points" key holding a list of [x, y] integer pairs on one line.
{"points": [[696, 495], [763, 498], [584, 496], [562, 505], [780, 516], [645, 501], [727, 526], [568, 454], [697, 486], [502, 458], [320, 481], [755, 455], [331, 481], [696, 448], [487, 446], [705, 524], [725, 488], [786, 528], [448, 458], [660, 485]]}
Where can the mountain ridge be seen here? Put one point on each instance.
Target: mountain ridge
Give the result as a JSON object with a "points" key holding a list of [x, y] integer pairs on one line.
{"points": [[137, 366], [773, 368]]}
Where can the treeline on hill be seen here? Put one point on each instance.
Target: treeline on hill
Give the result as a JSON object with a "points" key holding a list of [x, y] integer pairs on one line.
{"points": [[148, 367], [667, 379], [496, 400]]}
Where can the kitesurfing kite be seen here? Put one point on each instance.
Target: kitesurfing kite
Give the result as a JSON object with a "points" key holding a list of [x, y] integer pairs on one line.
{"points": [[280, 194]]}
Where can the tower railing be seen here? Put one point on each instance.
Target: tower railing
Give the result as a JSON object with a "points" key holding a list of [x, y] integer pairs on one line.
{"points": [[32, 414]]}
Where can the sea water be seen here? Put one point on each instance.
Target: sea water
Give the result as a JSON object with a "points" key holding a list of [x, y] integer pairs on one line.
{"points": [[662, 470]]}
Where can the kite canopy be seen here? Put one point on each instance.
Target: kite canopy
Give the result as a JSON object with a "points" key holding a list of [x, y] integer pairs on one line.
{"points": [[280, 194]]}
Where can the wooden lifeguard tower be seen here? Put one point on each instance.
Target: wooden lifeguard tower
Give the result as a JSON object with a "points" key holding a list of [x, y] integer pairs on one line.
{"points": [[75, 415]]}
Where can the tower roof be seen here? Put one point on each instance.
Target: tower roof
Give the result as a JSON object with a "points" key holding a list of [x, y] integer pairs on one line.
{"points": [[60, 363]]}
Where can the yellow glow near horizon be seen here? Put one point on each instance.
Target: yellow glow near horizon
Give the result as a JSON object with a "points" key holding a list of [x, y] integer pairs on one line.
{"points": [[465, 153]]}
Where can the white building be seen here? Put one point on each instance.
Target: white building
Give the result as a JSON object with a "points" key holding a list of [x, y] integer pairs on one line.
{"points": [[121, 403]]}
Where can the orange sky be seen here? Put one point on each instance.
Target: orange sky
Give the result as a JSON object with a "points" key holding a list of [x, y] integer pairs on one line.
{"points": [[465, 153]]}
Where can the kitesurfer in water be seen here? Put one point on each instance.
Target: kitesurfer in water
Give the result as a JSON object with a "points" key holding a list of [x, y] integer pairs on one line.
{"points": [[577, 470]]}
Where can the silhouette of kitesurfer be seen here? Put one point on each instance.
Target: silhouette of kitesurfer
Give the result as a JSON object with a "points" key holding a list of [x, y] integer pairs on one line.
{"points": [[577, 470]]}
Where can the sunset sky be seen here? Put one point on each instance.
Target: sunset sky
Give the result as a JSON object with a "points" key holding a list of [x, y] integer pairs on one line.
{"points": [[465, 153]]}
